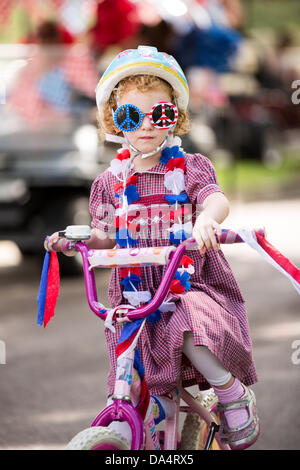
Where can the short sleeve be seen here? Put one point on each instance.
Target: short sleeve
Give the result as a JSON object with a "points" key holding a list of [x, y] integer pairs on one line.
{"points": [[200, 179], [101, 207]]}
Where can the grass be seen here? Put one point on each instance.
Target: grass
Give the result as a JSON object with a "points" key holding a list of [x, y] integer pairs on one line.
{"points": [[251, 180], [274, 14], [17, 27]]}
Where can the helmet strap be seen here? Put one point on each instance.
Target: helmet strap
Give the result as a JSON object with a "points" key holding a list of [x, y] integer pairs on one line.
{"points": [[126, 143], [149, 154]]}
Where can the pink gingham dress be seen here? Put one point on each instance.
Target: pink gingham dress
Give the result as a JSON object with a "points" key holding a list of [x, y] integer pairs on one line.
{"points": [[213, 309]]}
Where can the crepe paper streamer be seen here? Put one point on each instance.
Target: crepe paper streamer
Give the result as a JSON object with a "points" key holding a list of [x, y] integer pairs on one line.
{"points": [[154, 317], [127, 343], [143, 405], [49, 289], [129, 336], [271, 255]]}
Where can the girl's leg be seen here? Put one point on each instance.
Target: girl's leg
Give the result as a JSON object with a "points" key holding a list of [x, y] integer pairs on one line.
{"points": [[226, 387]]}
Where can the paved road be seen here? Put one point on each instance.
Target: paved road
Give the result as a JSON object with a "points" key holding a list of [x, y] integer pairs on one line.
{"points": [[53, 382]]}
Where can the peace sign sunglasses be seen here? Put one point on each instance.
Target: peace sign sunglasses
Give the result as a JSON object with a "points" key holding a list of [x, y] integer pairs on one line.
{"points": [[128, 117]]}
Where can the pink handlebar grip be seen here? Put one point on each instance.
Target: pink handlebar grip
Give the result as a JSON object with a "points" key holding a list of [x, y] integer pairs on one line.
{"points": [[59, 246]]}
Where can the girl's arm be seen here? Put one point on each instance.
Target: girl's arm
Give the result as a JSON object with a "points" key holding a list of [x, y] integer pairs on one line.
{"points": [[215, 210], [99, 241]]}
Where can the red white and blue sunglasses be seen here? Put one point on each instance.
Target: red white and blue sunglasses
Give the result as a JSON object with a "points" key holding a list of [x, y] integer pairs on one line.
{"points": [[128, 117]]}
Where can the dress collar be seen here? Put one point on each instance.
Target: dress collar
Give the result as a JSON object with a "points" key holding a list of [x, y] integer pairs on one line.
{"points": [[158, 168]]}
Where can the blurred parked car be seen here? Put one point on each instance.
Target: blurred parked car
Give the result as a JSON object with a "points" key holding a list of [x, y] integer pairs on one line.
{"points": [[49, 148], [45, 180]]}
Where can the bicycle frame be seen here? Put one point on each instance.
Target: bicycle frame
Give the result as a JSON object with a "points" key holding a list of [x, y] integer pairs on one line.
{"points": [[126, 392]]}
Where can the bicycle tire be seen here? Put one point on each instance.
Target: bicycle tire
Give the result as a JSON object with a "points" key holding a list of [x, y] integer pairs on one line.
{"points": [[98, 438], [195, 429]]}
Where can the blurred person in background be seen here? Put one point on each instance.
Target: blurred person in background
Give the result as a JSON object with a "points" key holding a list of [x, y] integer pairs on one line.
{"points": [[56, 83], [210, 41], [116, 24], [234, 13]]}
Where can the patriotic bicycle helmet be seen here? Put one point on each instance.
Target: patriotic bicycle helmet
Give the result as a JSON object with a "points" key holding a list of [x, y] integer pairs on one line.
{"points": [[144, 60]]}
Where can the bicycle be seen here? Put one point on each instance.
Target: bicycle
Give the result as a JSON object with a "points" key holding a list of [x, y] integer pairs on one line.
{"points": [[200, 429]]}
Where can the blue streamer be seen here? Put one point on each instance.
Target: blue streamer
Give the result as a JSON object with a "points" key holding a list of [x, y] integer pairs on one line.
{"points": [[137, 364], [129, 329], [41, 299], [154, 317]]}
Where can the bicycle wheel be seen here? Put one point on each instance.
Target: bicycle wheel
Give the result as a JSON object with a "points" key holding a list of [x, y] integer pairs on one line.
{"points": [[195, 430], [98, 438]]}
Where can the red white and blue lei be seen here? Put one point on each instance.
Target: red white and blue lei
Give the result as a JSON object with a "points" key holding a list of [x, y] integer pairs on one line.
{"points": [[126, 192]]}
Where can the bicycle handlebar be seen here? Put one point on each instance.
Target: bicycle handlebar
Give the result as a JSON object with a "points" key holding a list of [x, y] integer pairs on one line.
{"points": [[227, 237]]}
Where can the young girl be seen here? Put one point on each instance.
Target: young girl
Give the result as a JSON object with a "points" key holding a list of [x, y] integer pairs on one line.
{"points": [[142, 100]]}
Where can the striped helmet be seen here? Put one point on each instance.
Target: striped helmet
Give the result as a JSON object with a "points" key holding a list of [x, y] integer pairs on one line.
{"points": [[144, 60]]}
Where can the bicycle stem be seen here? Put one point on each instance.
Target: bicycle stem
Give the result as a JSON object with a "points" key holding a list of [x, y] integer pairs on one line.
{"points": [[89, 278], [163, 289]]}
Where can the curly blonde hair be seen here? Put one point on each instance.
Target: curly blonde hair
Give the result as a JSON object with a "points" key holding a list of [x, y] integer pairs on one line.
{"points": [[142, 83]]}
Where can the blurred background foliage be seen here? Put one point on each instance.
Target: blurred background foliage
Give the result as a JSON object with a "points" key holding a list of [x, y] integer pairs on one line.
{"points": [[268, 16], [272, 14]]}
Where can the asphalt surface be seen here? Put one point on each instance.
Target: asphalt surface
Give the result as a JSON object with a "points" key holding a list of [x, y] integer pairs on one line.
{"points": [[53, 382]]}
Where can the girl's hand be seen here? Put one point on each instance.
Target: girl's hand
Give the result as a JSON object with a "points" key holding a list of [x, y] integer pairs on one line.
{"points": [[55, 242], [204, 232]]}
